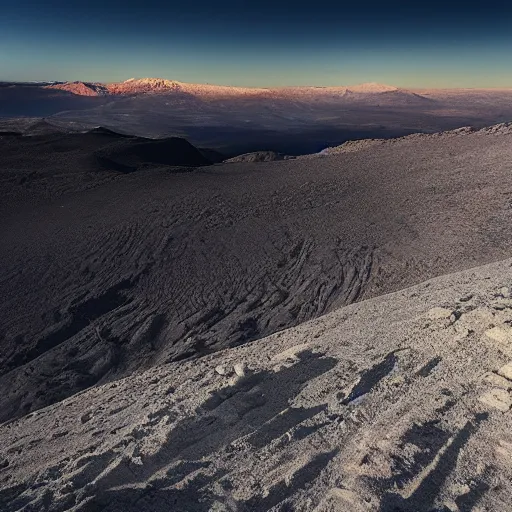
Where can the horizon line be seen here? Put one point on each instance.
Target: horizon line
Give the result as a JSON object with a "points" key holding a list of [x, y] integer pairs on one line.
{"points": [[257, 87]]}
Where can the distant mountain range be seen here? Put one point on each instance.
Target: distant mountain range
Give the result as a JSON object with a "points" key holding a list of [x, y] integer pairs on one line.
{"points": [[137, 86], [161, 86]]}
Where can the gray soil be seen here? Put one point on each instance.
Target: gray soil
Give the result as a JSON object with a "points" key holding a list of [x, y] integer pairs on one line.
{"points": [[105, 272], [397, 403], [198, 275]]}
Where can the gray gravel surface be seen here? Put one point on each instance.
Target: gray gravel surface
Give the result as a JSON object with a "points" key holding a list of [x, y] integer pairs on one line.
{"points": [[397, 403]]}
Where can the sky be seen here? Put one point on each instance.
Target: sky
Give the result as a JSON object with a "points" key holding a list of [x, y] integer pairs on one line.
{"points": [[260, 42]]}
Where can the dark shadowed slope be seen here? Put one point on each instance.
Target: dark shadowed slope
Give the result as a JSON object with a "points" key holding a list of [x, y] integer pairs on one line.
{"points": [[129, 154], [104, 273], [49, 162]]}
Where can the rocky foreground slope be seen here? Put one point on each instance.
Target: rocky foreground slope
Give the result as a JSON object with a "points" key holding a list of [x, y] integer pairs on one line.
{"points": [[397, 403]]}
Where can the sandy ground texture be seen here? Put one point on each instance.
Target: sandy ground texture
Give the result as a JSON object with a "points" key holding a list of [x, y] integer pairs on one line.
{"points": [[106, 272], [397, 403]]}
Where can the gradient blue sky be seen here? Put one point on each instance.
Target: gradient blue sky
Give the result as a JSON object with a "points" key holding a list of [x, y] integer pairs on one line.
{"points": [[259, 43]]}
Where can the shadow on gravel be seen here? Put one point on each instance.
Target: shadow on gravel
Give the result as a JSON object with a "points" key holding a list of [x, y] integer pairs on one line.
{"points": [[423, 499], [251, 407], [370, 378]]}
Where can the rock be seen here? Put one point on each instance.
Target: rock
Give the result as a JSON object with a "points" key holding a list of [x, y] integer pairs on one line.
{"points": [[505, 292], [240, 369], [462, 330], [506, 371], [502, 334], [86, 417], [221, 370], [497, 399], [292, 352], [497, 381], [439, 313], [502, 304], [459, 489]]}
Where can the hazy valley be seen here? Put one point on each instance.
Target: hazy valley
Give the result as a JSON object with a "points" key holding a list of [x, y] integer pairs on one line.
{"points": [[292, 120]]}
